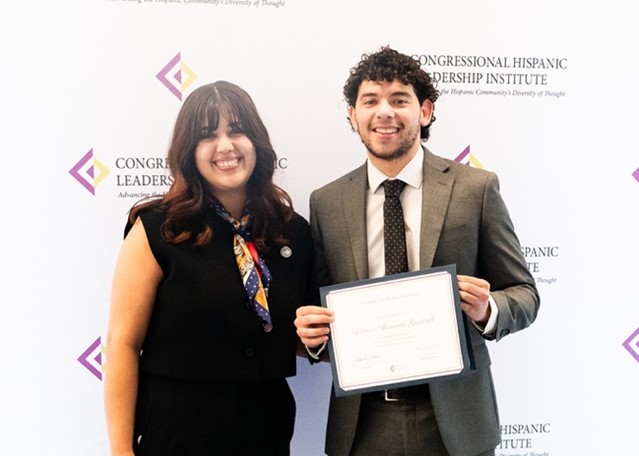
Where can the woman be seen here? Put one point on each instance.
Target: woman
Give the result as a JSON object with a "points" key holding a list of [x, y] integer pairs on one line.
{"points": [[201, 335]]}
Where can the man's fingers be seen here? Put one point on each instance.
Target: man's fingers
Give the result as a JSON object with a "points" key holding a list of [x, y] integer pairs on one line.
{"points": [[312, 325], [311, 316], [313, 337]]}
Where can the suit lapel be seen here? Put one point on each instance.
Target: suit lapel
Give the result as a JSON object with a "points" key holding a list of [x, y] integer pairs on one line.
{"points": [[354, 212], [436, 191]]}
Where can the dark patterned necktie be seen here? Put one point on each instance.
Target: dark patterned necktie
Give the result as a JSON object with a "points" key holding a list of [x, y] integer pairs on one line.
{"points": [[395, 258]]}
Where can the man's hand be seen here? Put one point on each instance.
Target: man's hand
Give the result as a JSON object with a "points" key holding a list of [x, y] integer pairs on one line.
{"points": [[474, 294], [312, 325]]}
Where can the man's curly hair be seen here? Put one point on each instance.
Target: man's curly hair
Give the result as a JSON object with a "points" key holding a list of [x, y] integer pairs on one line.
{"points": [[388, 65]]}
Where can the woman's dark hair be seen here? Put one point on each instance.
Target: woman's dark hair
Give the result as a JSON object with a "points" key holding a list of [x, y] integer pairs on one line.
{"points": [[388, 65], [188, 197]]}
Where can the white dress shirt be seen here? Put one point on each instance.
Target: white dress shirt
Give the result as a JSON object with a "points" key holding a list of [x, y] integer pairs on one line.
{"points": [[411, 199]]}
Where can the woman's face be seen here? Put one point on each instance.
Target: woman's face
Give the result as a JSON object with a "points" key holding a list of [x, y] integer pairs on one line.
{"points": [[226, 159]]}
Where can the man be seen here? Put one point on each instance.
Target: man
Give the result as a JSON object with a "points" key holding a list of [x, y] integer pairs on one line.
{"points": [[453, 214]]}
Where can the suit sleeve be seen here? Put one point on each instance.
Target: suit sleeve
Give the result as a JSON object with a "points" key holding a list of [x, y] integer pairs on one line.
{"points": [[320, 266], [504, 266]]}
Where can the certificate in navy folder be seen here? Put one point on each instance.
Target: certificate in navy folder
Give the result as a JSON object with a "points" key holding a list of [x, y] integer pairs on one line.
{"points": [[396, 331]]}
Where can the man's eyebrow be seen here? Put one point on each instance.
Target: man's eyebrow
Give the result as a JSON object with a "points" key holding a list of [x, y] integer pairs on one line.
{"points": [[399, 93]]}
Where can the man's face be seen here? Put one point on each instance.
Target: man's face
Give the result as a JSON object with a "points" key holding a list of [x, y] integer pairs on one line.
{"points": [[388, 118]]}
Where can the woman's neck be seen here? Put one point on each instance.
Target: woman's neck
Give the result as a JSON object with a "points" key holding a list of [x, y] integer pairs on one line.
{"points": [[234, 203]]}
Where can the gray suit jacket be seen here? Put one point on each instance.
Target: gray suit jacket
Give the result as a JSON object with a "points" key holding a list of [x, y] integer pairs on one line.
{"points": [[464, 222]]}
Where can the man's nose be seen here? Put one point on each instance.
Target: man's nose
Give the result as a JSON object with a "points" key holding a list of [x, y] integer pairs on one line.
{"points": [[384, 109]]}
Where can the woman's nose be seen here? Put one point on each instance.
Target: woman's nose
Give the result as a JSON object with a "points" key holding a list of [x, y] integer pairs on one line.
{"points": [[224, 144]]}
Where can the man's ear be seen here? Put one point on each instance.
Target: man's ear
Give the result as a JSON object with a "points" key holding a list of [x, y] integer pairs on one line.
{"points": [[352, 117], [426, 112]]}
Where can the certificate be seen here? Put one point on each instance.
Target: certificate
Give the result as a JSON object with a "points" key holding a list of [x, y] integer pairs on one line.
{"points": [[396, 331]]}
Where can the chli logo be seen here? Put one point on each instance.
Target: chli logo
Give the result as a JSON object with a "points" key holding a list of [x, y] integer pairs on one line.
{"points": [[636, 174], [467, 158], [89, 172], [632, 344], [91, 358], [176, 76]]}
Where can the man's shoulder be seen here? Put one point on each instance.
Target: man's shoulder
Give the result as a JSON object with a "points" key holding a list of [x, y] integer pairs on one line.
{"points": [[462, 170], [337, 186]]}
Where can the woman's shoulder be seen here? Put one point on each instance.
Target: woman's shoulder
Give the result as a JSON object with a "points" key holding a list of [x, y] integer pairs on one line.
{"points": [[296, 218], [151, 217], [152, 213], [297, 222], [297, 228]]}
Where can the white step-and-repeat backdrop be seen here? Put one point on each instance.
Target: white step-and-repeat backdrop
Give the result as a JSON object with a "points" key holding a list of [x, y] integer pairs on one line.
{"points": [[543, 93]]}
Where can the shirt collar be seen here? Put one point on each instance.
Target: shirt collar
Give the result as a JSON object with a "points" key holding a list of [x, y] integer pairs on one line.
{"points": [[411, 173]]}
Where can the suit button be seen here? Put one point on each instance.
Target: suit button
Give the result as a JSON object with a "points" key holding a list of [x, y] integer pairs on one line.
{"points": [[250, 352], [504, 332]]}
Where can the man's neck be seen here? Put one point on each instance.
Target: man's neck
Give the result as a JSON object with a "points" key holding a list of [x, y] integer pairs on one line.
{"points": [[391, 168]]}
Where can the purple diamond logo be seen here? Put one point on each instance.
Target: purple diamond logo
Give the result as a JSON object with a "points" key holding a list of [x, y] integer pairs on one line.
{"points": [[89, 172], [92, 358], [466, 158], [632, 344], [636, 174], [176, 76]]}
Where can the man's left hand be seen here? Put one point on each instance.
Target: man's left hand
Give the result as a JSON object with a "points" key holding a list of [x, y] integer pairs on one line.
{"points": [[474, 294]]}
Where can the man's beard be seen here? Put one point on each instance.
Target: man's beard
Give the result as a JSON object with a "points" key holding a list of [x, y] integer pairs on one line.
{"points": [[402, 149]]}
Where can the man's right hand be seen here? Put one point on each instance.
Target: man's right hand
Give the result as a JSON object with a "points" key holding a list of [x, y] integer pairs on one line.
{"points": [[312, 325]]}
